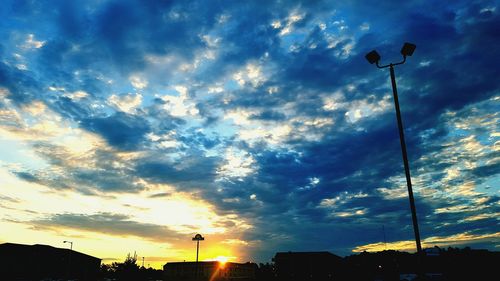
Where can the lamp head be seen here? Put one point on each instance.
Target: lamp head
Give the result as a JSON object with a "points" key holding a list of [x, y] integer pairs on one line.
{"points": [[408, 49], [198, 237], [372, 57]]}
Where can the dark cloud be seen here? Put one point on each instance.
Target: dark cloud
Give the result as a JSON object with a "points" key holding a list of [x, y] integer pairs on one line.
{"points": [[269, 115], [89, 173], [21, 85], [9, 199], [189, 172], [487, 170], [108, 223], [26, 176], [121, 130], [161, 195], [452, 79]]}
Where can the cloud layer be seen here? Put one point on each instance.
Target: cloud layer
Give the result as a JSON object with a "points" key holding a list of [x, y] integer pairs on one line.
{"points": [[265, 110]]}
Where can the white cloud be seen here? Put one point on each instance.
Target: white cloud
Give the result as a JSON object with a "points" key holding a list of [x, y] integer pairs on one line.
{"points": [[126, 102], [31, 42], [440, 241], [76, 96], [240, 116], [164, 141], [138, 82], [238, 164], [360, 109], [35, 108], [272, 135], [287, 28], [21, 66], [425, 63], [250, 74], [215, 89], [60, 89], [340, 199], [180, 105], [35, 121]]}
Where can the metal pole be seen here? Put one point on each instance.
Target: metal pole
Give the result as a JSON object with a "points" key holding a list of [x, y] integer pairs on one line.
{"points": [[197, 238], [69, 257], [405, 161], [197, 250]]}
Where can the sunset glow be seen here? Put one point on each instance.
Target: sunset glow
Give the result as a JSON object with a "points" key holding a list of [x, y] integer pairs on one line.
{"points": [[222, 260], [130, 126]]}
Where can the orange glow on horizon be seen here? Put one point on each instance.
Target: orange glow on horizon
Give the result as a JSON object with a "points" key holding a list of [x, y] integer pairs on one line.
{"points": [[222, 261]]}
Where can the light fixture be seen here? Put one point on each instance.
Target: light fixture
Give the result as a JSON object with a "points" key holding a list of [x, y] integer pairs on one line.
{"points": [[408, 49], [373, 57]]}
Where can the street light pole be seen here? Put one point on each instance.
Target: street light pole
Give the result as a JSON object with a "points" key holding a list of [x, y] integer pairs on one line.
{"points": [[405, 160], [69, 258], [374, 57], [197, 238], [70, 244]]}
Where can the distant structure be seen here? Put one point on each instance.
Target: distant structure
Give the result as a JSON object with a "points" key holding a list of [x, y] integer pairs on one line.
{"points": [[302, 266], [36, 262], [209, 271]]}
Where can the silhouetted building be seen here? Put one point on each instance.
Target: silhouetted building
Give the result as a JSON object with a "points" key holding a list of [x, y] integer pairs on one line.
{"points": [[209, 271], [437, 264], [303, 266], [36, 262]]}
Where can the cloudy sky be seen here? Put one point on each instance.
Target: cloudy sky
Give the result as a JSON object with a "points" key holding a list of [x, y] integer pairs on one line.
{"points": [[133, 125]]}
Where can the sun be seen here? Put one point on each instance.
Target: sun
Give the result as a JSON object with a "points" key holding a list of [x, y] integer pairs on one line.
{"points": [[222, 260]]}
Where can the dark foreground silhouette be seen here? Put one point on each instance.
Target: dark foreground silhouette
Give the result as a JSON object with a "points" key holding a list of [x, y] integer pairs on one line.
{"points": [[41, 262]]}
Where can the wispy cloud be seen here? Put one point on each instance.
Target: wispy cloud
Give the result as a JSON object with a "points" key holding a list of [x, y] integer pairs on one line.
{"points": [[266, 113]]}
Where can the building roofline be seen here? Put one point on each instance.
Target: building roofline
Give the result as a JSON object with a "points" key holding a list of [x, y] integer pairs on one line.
{"points": [[46, 247]]}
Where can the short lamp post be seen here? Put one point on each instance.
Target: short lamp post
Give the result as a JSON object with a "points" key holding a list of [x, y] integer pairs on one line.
{"points": [[70, 244], [374, 57], [69, 258], [197, 238]]}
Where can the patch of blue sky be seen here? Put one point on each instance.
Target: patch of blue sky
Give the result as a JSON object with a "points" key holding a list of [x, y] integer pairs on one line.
{"points": [[490, 186], [223, 129], [457, 133], [15, 152], [231, 85], [292, 40], [487, 139]]}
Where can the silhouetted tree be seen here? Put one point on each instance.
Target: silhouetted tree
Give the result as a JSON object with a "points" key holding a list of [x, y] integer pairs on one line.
{"points": [[128, 270], [106, 271], [266, 272]]}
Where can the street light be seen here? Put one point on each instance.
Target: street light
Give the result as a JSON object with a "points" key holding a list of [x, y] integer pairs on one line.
{"points": [[197, 238], [374, 57], [71, 244], [69, 258]]}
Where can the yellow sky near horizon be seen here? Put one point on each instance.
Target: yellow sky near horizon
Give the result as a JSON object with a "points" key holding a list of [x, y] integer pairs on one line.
{"points": [[155, 221], [27, 210]]}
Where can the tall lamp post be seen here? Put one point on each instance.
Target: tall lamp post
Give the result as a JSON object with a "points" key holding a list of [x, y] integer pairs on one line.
{"points": [[374, 57], [197, 238]]}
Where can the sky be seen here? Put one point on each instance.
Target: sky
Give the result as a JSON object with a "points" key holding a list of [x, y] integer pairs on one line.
{"points": [[130, 126]]}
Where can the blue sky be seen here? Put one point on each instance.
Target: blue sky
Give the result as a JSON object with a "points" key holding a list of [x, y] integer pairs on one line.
{"points": [[256, 123]]}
